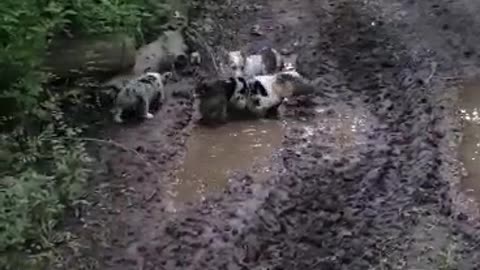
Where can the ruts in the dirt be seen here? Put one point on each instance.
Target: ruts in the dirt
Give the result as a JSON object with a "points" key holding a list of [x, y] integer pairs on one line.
{"points": [[376, 197]]}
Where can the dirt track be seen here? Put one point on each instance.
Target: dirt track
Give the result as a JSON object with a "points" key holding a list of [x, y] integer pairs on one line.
{"points": [[383, 200]]}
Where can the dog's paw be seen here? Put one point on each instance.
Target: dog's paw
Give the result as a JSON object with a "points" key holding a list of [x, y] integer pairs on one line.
{"points": [[149, 116]]}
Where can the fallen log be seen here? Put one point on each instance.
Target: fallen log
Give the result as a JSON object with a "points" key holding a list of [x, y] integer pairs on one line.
{"points": [[94, 56], [161, 55]]}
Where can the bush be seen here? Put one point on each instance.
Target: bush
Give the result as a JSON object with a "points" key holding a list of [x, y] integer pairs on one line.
{"points": [[43, 162], [46, 173]]}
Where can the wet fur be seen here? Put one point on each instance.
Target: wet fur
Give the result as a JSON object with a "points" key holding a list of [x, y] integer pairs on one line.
{"points": [[213, 96], [260, 96], [140, 94], [221, 100], [267, 92]]}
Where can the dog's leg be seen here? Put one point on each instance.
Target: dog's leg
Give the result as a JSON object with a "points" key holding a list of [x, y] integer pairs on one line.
{"points": [[145, 107], [158, 101], [117, 115], [224, 115]]}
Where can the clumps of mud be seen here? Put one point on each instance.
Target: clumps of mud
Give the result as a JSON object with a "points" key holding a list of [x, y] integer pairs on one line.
{"points": [[372, 194], [325, 209]]}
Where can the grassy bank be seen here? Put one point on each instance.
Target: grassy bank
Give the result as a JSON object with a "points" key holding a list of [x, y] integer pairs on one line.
{"points": [[44, 165]]}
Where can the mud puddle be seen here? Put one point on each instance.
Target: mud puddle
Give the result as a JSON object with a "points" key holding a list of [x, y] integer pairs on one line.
{"points": [[469, 104], [213, 154]]}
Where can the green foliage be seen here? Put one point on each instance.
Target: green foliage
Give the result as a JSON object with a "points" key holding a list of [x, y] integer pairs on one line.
{"points": [[41, 176], [43, 162]]}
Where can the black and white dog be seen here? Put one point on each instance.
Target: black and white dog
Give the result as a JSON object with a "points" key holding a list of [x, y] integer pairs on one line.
{"points": [[259, 96]]}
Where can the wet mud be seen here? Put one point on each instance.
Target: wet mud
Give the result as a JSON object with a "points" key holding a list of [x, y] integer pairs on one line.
{"points": [[367, 173]]}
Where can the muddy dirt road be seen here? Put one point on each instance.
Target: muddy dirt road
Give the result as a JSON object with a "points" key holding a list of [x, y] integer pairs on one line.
{"points": [[362, 176]]}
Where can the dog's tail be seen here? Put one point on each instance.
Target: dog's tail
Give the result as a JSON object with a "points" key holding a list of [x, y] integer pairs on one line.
{"points": [[278, 59]]}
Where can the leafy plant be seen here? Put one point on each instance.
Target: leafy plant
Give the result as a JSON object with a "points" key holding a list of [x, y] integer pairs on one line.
{"points": [[43, 162]]}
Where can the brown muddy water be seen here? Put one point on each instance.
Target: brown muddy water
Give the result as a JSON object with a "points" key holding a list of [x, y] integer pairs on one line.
{"points": [[469, 104], [214, 153]]}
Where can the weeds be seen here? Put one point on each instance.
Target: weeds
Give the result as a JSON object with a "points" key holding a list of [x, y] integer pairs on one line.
{"points": [[43, 164], [448, 259]]}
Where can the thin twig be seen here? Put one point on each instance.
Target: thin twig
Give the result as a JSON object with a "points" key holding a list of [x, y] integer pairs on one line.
{"points": [[174, 72], [198, 37], [114, 143], [433, 66]]}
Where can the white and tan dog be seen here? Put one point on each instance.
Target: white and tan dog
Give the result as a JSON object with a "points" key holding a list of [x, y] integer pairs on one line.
{"points": [[267, 92], [267, 61]]}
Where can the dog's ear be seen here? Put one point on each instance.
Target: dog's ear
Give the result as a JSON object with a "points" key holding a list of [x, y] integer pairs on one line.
{"points": [[167, 76]]}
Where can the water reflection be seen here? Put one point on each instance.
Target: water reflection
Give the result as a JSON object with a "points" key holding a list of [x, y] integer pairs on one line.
{"points": [[470, 146], [214, 153]]}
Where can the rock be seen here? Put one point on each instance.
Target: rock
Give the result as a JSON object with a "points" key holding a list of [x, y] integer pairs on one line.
{"points": [[256, 30], [195, 58], [462, 217]]}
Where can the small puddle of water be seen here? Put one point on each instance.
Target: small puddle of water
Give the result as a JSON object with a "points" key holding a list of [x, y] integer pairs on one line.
{"points": [[469, 103], [214, 153]]}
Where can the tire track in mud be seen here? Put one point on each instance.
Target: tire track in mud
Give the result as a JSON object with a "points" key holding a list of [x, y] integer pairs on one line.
{"points": [[396, 88], [412, 110], [338, 197], [314, 207]]}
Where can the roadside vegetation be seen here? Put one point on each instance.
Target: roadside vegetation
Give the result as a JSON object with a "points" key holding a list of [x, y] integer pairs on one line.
{"points": [[44, 164]]}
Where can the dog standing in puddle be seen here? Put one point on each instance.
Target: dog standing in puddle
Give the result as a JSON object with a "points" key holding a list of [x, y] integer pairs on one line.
{"points": [[257, 97]]}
